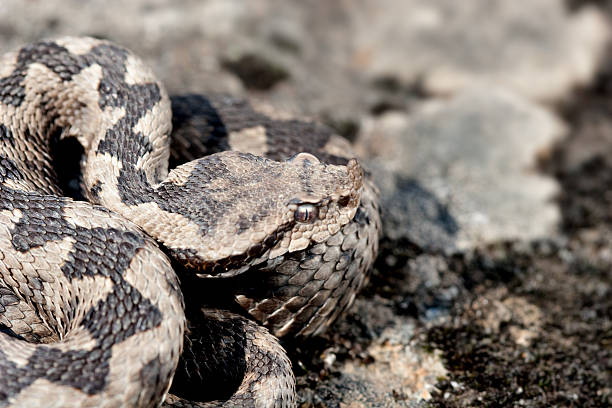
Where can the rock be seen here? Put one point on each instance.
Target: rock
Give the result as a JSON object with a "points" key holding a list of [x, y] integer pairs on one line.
{"points": [[540, 51], [337, 54], [463, 172], [400, 370], [522, 319], [414, 213], [396, 372]]}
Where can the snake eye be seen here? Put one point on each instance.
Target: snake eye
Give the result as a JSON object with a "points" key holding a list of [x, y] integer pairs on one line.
{"points": [[306, 213]]}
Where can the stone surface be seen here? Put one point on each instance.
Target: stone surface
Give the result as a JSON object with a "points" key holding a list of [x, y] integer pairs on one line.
{"points": [[339, 58], [540, 51], [405, 372], [394, 372], [462, 172]]}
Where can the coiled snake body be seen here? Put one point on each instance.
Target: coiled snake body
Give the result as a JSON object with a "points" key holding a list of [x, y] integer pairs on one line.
{"points": [[91, 311]]}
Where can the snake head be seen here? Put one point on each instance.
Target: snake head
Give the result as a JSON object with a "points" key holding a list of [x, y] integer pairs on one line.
{"points": [[327, 201], [242, 210]]}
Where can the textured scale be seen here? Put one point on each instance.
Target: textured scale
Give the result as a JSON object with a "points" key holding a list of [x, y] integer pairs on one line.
{"points": [[264, 214]]}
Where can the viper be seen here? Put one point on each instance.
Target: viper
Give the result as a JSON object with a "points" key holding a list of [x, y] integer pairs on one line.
{"points": [[207, 242]]}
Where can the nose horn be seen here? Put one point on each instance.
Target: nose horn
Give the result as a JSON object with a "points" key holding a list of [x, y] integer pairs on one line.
{"points": [[305, 158], [355, 173]]}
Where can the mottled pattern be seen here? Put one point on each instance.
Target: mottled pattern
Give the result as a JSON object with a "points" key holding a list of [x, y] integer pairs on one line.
{"points": [[251, 349], [84, 272], [276, 215]]}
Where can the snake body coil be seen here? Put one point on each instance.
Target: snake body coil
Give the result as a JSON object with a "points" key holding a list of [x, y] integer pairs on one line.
{"points": [[91, 311]]}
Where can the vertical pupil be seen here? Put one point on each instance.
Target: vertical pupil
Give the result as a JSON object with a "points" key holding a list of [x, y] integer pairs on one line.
{"points": [[306, 213]]}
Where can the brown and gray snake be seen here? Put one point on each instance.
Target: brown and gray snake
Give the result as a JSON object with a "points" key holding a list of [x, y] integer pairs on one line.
{"points": [[263, 218]]}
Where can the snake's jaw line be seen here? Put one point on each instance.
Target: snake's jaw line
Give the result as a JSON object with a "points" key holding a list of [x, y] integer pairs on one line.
{"points": [[277, 252]]}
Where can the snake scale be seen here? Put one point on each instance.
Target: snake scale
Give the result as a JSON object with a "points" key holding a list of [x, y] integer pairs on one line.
{"points": [[263, 218]]}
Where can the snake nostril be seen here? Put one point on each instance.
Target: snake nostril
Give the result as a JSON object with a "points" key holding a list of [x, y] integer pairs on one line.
{"points": [[270, 240], [344, 201]]}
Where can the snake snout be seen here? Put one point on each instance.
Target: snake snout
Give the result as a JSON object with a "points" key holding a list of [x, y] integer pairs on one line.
{"points": [[351, 194]]}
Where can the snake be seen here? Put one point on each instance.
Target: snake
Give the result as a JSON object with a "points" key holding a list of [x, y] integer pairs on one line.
{"points": [[154, 249]]}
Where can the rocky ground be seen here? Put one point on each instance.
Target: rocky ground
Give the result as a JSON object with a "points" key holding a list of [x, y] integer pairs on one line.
{"points": [[488, 127]]}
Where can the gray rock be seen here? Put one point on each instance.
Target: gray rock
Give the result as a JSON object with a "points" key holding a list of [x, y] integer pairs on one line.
{"points": [[540, 50], [398, 373], [463, 172], [414, 213], [336, 55]]}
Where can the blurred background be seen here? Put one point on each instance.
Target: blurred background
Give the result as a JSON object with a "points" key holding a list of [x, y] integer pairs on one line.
{"points": [[487, 125]]}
